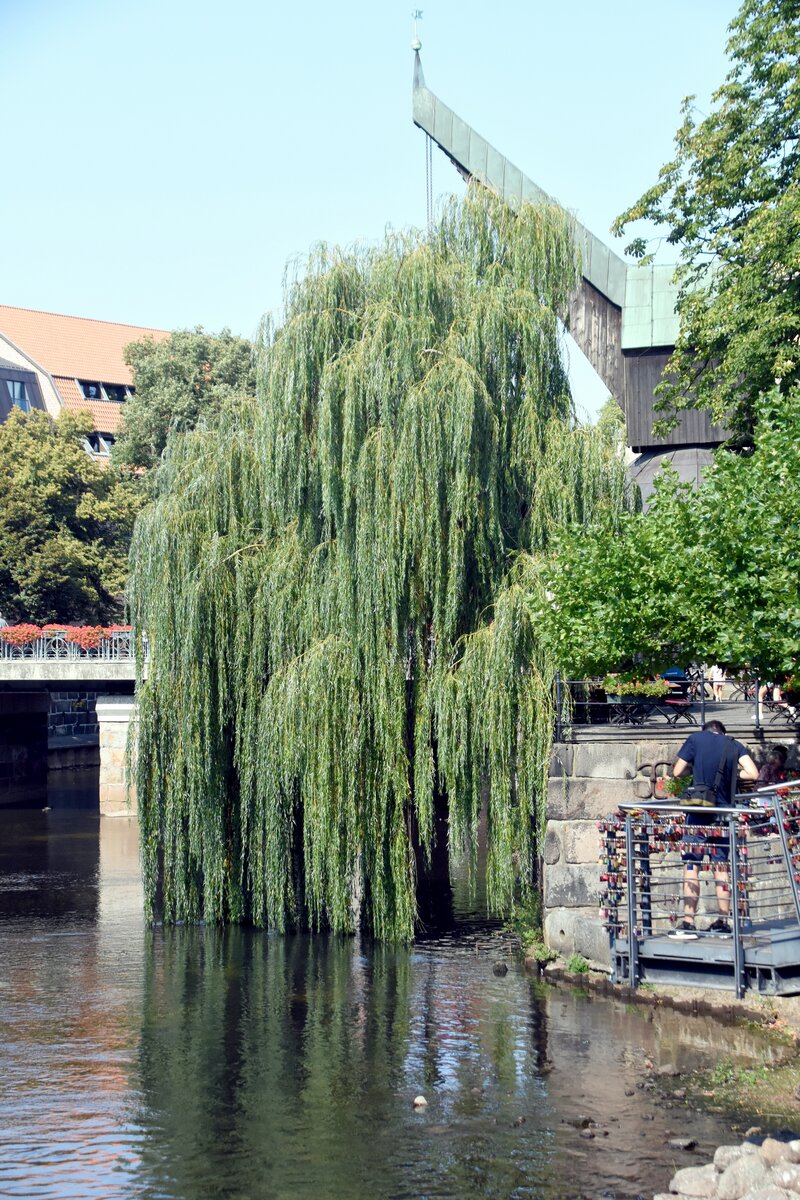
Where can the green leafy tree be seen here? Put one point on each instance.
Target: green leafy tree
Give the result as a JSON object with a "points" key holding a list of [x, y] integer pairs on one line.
{"points": [[341, 663], [712, 574], [611, 424], [65, 524], [730, 199], [181, 381]]}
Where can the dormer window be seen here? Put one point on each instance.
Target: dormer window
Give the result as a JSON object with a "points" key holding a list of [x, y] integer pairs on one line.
{"points": [[18, 389], [117, 392], [114, 393], [19, 394], [99, 444]]}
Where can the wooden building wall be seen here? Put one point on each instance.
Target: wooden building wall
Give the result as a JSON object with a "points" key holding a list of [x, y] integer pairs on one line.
{"points": [[632, 376], [642, 372], [596, 325]]}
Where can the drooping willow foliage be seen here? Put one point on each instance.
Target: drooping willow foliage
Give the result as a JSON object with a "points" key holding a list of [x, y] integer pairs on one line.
{"points": [[337, 646]]}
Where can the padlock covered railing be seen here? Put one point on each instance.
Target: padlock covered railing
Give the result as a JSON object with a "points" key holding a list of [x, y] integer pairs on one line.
{"points": [[748, 855]]}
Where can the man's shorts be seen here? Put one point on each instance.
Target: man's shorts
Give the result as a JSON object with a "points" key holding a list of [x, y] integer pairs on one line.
{"points": [[696, 846]]}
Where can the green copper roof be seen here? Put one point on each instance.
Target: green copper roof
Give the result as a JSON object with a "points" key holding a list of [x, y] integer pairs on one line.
{"points": [[646, 295]]}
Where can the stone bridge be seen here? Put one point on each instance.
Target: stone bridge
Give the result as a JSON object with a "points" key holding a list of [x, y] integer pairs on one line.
{"points": [[67, 705]]}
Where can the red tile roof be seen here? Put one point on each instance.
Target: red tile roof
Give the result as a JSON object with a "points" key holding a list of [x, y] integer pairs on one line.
{"points": [[106, 415], [74, 347]]}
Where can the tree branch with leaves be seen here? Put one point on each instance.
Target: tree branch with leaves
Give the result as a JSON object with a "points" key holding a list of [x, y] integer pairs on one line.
{"points": [[730, 200]]}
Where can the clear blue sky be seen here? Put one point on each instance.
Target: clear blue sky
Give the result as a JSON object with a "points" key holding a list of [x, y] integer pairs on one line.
{"points": [[165, 158]]}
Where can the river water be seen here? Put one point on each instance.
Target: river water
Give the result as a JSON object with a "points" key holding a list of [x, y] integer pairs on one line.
{"points": [[193, 1063]]}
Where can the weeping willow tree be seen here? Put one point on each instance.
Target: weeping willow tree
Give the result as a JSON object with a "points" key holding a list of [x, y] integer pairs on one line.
{"points": [[339, 643]]}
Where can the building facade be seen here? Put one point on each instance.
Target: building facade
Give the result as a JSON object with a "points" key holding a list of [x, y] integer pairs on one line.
{"points": [[50, 362]]}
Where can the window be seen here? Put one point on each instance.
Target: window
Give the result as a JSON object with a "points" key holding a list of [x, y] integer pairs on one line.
{"points": [[19, 394], [93, 389], [116, 392], [100, 444]]}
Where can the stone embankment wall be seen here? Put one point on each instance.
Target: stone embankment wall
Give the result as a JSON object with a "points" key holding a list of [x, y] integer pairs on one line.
{"points": [[588, 780], [72, 754]]}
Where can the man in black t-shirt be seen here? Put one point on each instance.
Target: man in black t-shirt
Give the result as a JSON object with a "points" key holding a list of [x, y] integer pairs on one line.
{"points": [[702, 753]]}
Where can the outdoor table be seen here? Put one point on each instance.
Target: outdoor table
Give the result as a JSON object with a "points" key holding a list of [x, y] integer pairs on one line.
{"points": [[638, 711]]}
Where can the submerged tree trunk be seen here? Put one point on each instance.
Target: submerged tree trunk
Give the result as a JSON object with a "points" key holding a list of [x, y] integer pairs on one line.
{"points": [[434, 892]]}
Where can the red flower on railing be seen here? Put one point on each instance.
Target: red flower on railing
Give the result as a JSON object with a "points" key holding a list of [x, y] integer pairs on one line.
{"points": [[88, 637], [85, 638], [20, 635]]}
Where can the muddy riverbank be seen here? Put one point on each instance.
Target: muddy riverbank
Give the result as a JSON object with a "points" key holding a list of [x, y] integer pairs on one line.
{"points": [[752, 1045]]}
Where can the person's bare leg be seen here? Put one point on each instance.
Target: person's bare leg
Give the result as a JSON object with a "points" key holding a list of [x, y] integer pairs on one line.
{"points": [[691, 890], [722, 881]]}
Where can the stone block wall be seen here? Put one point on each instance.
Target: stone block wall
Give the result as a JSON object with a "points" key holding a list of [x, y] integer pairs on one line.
{"points": [[63, 756], [72, 714], [588, 780]]}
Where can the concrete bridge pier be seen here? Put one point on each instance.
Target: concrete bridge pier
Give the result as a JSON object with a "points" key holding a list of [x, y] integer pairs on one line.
{"points": [[116, 719]]}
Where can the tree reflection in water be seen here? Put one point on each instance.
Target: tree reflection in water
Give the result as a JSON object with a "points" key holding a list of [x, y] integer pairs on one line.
{"points": [[288, 1067], [194, 1063]]}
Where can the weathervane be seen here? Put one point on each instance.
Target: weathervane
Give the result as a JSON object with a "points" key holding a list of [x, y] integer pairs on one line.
{"points": [[416, 44]]}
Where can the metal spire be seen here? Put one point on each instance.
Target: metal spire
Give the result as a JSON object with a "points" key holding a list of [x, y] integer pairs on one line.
{"points": [[416, 44]]}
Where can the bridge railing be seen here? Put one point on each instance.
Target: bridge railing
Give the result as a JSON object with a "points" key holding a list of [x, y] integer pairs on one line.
{"points": [[112, 643]]}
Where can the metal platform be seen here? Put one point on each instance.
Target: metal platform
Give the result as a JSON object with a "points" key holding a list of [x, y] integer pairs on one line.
{"points": [[771, 960], [644, 893]]}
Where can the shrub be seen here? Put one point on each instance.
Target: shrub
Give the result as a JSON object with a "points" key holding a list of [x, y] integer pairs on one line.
{"points": [[577, 964], [626, 685]]}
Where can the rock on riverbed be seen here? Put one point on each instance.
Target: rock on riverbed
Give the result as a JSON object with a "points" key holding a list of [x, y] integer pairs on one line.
{"points": [[747, 1172]]}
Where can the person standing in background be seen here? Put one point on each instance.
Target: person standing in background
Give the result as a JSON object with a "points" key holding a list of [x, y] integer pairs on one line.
{"points": [[716, 761], [717, 676], [774, 769]]}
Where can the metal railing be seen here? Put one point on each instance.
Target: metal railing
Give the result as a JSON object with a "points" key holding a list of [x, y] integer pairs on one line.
{"points": [[115, 645], [745, 700], [642, 874]]}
